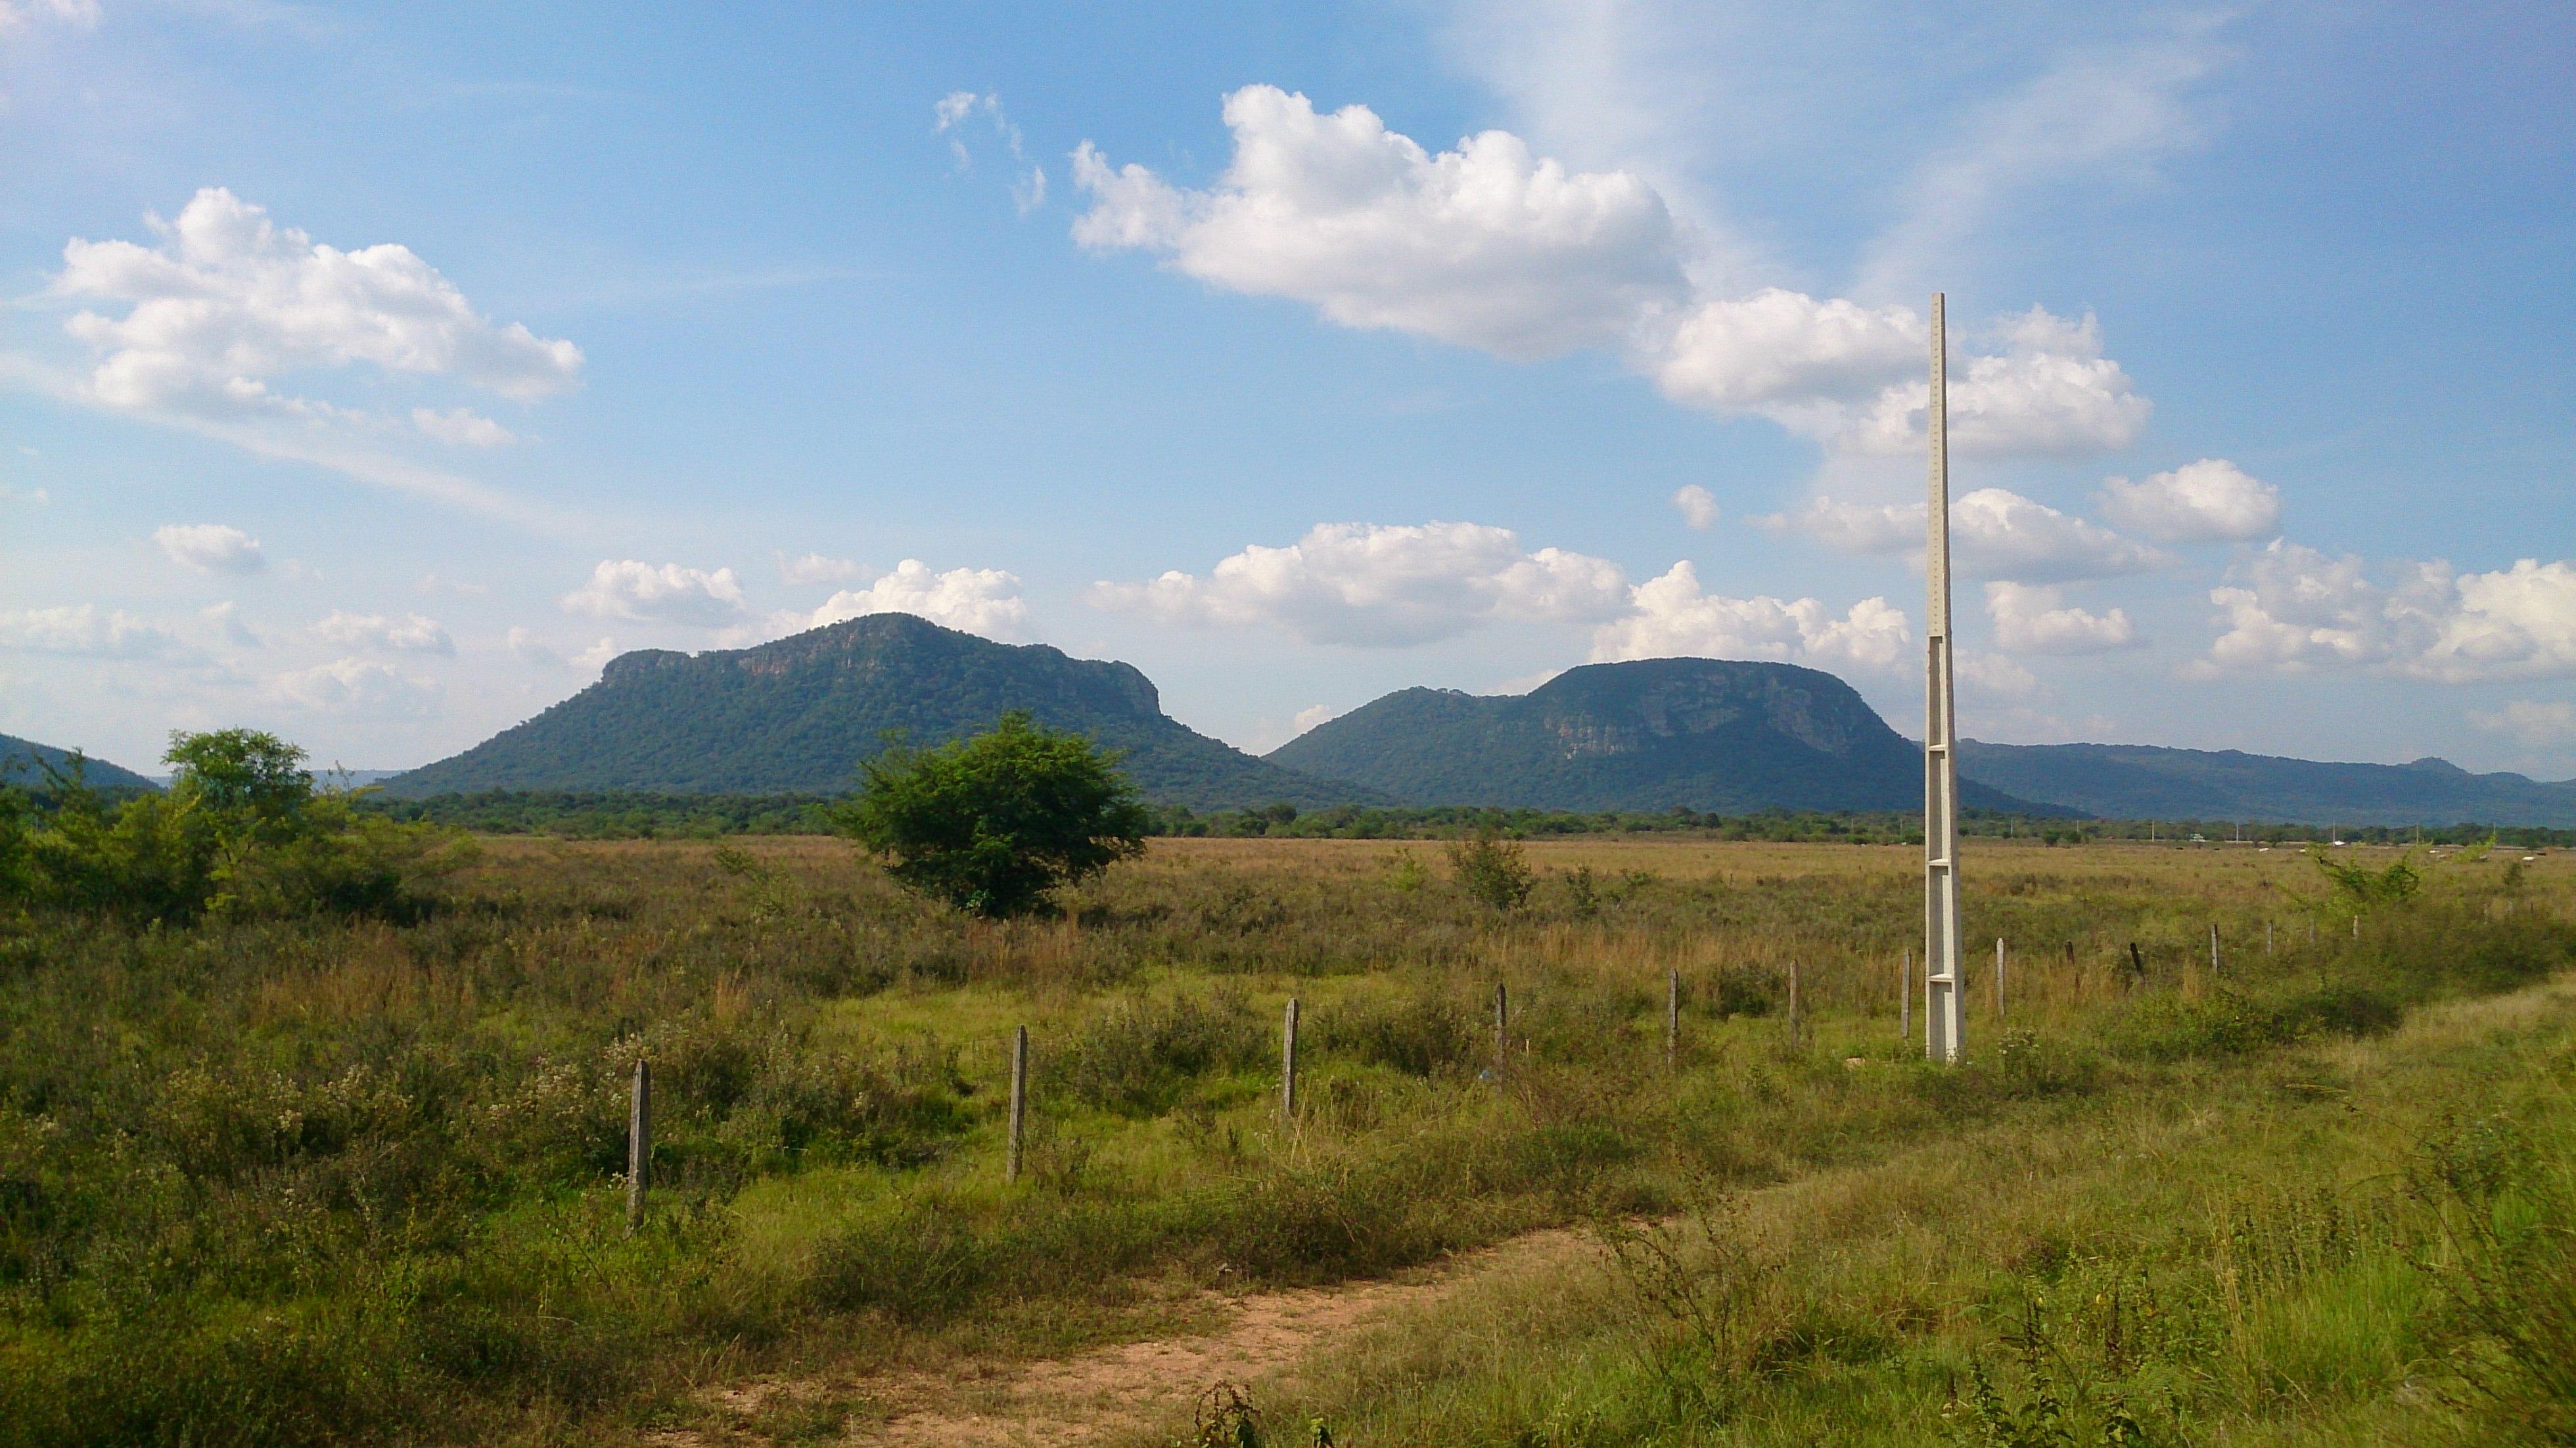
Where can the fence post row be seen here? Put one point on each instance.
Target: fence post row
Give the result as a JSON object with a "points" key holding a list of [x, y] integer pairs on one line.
{"points": [[1288, 1063], [639, 1143], [1019, 1102]]}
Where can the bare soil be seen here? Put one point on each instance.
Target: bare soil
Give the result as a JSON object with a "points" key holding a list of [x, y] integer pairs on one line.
{"points": [[1107, 1394]]}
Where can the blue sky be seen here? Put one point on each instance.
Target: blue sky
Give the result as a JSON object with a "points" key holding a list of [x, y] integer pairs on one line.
{"points": [[372, 373]]}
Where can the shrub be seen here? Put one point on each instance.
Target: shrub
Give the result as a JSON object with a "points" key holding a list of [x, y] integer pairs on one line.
{"points": [[993, 825], [1491, 869], [240, 832]]}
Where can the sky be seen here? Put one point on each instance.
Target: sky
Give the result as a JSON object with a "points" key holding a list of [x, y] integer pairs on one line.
{"points": [[373, 374]]}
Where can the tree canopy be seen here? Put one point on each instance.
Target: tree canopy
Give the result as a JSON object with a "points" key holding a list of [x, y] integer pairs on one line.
{"points": [[995, 824]]}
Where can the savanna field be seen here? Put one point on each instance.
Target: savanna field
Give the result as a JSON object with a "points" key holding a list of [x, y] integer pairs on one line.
{"points": [[291, 1180]]}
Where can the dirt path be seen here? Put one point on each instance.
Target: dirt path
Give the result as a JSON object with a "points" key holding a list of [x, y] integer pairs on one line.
{"points": [[1101, 1395]]}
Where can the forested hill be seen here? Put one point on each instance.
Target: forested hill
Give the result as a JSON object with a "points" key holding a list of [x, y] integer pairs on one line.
{"points": [[799, 714], [1709, 734], [2139, 781], [23, 761]]}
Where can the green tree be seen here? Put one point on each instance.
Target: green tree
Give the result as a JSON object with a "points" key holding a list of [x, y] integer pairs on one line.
{"points": [[995, 824], [1492, 869], [241, 831]]}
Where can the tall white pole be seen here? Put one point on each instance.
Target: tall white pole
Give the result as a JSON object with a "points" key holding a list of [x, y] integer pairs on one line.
{"points": [[1945, 1016]]}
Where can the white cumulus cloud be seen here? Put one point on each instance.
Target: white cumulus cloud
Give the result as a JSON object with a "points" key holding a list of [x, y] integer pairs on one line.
{"points": [[1996, 674], [1994, 533], [409, 634], [2202, 502], [16, 15], [226, 300], [2036, 620], [659, 593], [1382, 585], [983, 601], [2291, 608], [2050, 390], [361, 687], [1674, 617], [210, 548], [461, 426], [1488, 245], [87, 631], [816, 568], [1698, 506], [2534, 722]]}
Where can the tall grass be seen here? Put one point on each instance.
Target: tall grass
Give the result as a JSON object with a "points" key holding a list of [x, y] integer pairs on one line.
{"points": [[326, 1181]]}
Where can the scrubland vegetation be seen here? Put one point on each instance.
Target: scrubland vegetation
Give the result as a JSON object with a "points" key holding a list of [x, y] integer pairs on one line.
{"points": [[302, 1173]]}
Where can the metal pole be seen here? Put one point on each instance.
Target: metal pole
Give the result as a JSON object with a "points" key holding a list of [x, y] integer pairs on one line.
{"points": [[1019, 1102], [1288, 1063], [1945, 1016], [639, 1144]]}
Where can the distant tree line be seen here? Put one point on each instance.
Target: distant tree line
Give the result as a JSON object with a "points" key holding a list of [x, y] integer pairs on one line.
{"points": [[615, 814]]}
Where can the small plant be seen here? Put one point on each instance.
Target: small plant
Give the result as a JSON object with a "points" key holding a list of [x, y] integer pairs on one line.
{"points": [[1583, 893], [1409, 875], [1492, 870], [1225, 1418], [2358, 889]]}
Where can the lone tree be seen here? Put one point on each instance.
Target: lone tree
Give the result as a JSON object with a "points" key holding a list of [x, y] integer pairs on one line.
{"points": [[994, 824]]}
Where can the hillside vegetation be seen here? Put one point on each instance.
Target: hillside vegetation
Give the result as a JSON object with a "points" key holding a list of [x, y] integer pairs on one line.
{"points": [[273, 1180], [28, 765], [1701, 734], [2137, 781], [800, 715]]}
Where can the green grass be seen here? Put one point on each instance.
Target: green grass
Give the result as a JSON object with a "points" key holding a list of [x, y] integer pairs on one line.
{"points": [[314, 1182]]}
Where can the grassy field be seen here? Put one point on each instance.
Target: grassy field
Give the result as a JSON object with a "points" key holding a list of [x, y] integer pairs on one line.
{"points": [[293, 1182]]}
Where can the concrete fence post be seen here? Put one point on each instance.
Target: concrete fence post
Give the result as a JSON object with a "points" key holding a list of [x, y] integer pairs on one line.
{"points": [[1672, 1018], [639, 1144], [1019, 1102], [1288, 1063]]}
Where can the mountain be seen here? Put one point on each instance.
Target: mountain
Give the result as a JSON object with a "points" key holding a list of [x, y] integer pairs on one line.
{"points": [[799, 714], [2138, 781], [1649, 735], [22, 763]]}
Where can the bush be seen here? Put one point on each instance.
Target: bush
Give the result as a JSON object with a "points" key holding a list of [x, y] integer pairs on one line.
{"points": [[1491, 869], [993, 825], [240, 832]]}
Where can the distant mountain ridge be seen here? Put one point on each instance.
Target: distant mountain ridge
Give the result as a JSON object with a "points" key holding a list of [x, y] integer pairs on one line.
{"points": [[2143, 781], [23, 762], [799, 714], [1706, 734]]}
